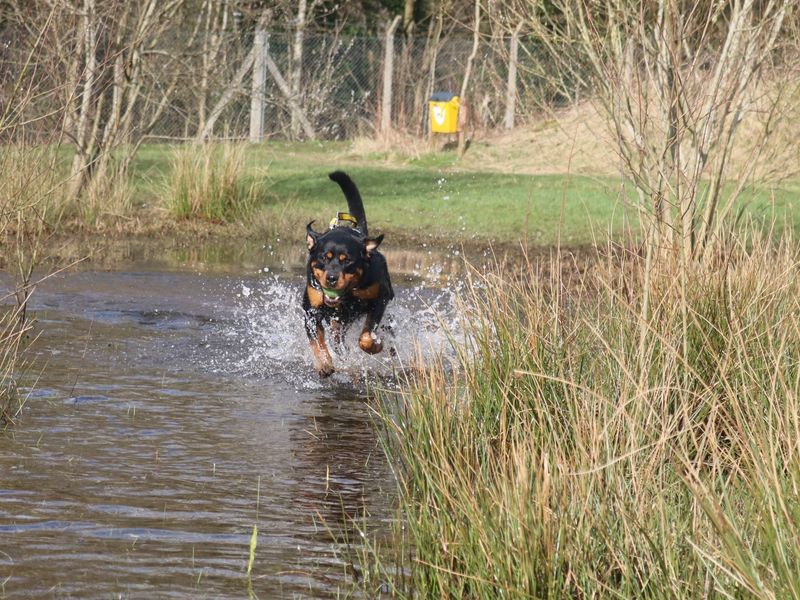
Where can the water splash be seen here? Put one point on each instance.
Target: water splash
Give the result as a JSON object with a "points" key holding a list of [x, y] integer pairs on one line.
{"points": [[270, 341]]}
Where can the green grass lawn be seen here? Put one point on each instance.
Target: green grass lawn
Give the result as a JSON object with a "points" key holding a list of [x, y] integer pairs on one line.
{"points": [[431, 196]]}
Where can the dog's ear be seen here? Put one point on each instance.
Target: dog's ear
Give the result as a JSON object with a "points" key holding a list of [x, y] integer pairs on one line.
{"points": [[371, 244], [311, 236]]}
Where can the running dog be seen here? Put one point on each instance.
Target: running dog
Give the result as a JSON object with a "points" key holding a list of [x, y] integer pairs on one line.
{"points": [[346, 278]]}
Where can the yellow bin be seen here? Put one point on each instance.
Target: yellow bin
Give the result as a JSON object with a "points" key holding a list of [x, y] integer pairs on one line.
{"points": [[444, 113]]}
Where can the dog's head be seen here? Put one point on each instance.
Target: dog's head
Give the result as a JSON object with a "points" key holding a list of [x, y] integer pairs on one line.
{"points": [[337, 260]]}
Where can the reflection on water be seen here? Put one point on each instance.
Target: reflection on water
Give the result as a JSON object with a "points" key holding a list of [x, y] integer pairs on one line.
{"points": [[172, 413]]}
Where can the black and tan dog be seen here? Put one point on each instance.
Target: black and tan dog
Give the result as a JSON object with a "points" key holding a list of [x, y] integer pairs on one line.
{"points": [[346, 278]]}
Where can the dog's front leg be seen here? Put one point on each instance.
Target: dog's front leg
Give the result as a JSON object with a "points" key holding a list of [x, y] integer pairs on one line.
{"points": [[337, 333], [316, 339], [368, 340]]}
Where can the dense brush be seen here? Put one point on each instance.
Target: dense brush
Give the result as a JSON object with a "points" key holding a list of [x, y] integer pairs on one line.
{"points": [[625, 433]]}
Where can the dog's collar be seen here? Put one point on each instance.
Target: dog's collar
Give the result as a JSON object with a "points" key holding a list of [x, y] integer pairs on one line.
{"points": [[343, 216]]}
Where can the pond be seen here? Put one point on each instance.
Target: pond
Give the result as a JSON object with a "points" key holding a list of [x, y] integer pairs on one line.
{"points": [[173, 407]]}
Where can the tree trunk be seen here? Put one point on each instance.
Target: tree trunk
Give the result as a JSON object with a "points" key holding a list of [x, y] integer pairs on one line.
{"points": [[511, 88], [82, 134], [408, 17], [462, 130], [388, 69], [432, 72], [297, 64]]}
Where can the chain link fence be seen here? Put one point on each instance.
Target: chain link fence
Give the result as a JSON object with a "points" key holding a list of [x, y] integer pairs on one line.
{"points": [[337, 86], [340, 87]]}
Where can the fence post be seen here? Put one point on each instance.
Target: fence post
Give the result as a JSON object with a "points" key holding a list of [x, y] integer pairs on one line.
{"points": [[259, 87], [511, 88], [388, 69]]}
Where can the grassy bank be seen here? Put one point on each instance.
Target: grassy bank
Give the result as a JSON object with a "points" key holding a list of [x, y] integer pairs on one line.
{"points": [[435, 196], [410, 199], [626, 433], [277, 187]]}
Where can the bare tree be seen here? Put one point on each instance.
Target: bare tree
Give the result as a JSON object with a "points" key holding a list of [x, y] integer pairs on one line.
{"points": [[118, 49], [511, 85], [30, 184], [108, 61], [465, 105], [676, 78], [388, 76], [408, 17], [213, 17], [296, 78]]}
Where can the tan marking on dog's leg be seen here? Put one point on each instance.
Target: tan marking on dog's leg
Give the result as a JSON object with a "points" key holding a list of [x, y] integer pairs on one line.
{"points": [[321, 354], [369, 342], [337, 331]]}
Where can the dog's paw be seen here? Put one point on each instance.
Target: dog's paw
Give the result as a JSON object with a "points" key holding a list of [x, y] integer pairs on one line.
{"points": [[370, 343], [326, 370]]}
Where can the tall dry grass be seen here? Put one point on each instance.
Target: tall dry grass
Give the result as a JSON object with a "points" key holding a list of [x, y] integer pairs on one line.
{"points": [[210, 182], [106, 200], [624, 432], [15, 327], [31, 187]]}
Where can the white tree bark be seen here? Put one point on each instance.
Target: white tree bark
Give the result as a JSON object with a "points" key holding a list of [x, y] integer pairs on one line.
{"points": [[297, 63], [82, 132], [511, 87], [388, 72], [465, 105]]}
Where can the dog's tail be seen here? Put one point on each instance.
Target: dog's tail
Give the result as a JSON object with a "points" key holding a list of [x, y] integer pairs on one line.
{"points": [[354, 203]]}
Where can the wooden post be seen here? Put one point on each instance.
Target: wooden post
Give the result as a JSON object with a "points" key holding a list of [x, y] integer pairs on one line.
{"points": [[388, 68], [287, 93], [511, 88], [259, 87]]}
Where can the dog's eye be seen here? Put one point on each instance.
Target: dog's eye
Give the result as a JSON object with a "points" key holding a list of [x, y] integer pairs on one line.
{"points": [[329, 255], [342, 258]]}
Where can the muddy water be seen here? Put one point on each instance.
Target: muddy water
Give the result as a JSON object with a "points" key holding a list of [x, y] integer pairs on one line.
{"points": [[175, 409]]}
